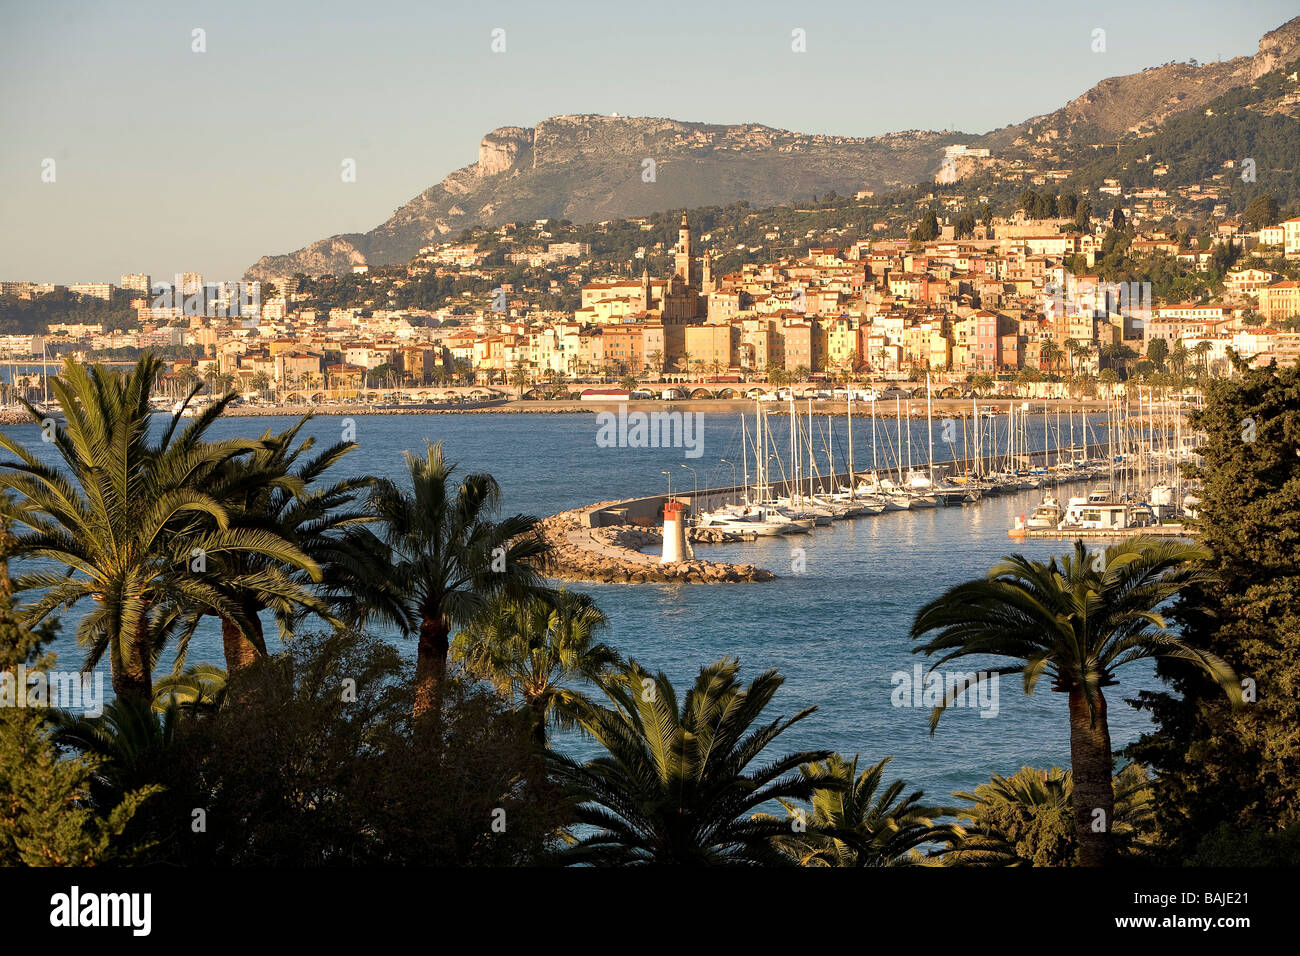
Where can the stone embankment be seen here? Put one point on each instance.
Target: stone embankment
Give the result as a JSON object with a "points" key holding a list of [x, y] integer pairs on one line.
{"points": [[612, 555]]}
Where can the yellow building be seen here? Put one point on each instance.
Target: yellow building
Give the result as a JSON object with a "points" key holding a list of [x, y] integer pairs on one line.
{"points": [[711, 347]]}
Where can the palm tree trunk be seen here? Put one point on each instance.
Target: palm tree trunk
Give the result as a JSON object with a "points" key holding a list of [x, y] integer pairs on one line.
{"points": [[1092, 763], [538, 712], [240, 651], [134, 677], [430, 666]]}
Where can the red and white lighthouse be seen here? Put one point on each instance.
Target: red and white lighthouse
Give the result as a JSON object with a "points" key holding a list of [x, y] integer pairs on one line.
{"points": [[674, 532]]}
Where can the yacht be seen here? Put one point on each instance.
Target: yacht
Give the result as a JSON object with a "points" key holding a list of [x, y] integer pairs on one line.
{"points": [[753, 519], [1046, 515]]}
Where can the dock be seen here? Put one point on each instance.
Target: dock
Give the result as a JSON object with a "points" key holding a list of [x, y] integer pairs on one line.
{"points": [[1155, 531]]}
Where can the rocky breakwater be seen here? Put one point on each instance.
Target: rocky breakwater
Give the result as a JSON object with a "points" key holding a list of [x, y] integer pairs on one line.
{"points": [[611, 555]]}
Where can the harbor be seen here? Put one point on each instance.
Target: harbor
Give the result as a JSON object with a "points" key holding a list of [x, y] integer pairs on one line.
{"points": [[793, 479]]}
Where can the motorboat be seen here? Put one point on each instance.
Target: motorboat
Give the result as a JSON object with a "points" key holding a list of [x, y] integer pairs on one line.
{"points": [[753, 519], [1047, 515]]}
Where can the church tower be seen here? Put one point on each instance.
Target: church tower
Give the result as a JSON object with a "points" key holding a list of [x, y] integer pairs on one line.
{"points": [[645, 288], [683, 259], [706, 274]]}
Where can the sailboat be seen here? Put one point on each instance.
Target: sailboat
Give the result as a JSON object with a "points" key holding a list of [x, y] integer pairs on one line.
{"points": [[49, 410]]}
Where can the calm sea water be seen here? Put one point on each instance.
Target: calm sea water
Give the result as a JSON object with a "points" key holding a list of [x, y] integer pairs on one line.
{"points": [[837, 632]]}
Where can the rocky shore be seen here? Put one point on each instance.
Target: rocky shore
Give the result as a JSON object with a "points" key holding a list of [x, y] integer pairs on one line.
{"points": [[611, 555]]}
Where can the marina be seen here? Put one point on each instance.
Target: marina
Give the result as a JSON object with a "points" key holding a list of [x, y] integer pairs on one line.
{"points": [[1131, 459]]}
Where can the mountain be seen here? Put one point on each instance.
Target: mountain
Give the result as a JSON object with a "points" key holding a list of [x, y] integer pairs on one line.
{"points": [[588, 168], [1141, 101], [591, 167]]}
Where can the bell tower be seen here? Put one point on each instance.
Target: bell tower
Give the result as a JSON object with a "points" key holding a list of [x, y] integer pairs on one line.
{"points": [[683, 259]]}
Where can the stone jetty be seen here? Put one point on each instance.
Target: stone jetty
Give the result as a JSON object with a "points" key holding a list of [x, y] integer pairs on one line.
{"points": [[612, 554]]}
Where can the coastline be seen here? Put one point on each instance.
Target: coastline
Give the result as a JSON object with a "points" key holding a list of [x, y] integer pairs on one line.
{"points": [[942, 407]]}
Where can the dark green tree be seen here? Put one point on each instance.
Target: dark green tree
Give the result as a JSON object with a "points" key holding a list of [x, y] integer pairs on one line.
{"points": [[927, 229], [1262, 211], [1219, 764]]}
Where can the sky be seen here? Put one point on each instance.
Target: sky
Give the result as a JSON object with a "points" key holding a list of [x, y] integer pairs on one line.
{"points": [[168, 159]]}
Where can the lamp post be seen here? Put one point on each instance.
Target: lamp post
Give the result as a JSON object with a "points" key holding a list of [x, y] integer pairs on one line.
{"points": [[733, 477], [670, 482], [697, 483]]}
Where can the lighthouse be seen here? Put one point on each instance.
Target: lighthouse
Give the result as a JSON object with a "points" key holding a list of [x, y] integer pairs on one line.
{"points": [[674, 532]]}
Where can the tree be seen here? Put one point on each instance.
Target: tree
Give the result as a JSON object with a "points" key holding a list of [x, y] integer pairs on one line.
{"points": [[519, 376], [927, 229], [1078, 619], [1219, 764], [1117, 220], [1083, 216], [46, 817], [1049, 355], [1158, 352], [1261, 211], [448, 558], [534, 651], [1202, 351], [132, 518], [1178, 359], [1027, 819], [857, 823], [278, 489], [676, 784]]}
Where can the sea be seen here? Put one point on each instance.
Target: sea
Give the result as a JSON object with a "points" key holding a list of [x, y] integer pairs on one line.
{"points": [[835, 622]]}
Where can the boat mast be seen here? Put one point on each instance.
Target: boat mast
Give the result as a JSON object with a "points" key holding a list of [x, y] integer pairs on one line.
{"points": [[929, 423], [792, 488], [744, 458], [874, 477], [853, 480], [812, 463]]}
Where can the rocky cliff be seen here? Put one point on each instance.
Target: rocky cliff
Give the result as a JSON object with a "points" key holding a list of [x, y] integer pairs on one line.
{"points": [[587, 168], [590, 167]]}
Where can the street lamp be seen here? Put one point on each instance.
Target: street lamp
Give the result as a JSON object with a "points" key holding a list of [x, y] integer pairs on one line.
{"points": [[697, 483], [733, 477], [670, 482]]}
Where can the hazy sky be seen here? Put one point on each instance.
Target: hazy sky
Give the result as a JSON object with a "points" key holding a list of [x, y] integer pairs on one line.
{"points": [[168, 160]]}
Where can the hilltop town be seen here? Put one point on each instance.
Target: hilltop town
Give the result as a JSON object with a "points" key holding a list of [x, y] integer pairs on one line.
{"points": [[1023, 298], [1044, 261]]}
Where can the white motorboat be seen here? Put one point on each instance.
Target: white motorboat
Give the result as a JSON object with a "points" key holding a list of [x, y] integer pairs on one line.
{"points": [[752, 519], [1046, 515]]}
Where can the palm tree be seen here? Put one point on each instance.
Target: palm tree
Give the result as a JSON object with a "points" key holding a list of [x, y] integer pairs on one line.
{"points": [[676, 784], [1178, 359], [1073, 350], [1024, 818], [1202, 351], [133, 520], [448, 559], [534, 650], [858, 824], [275, 490], [1078, 619], [1049, 355], [1027, 818]]}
